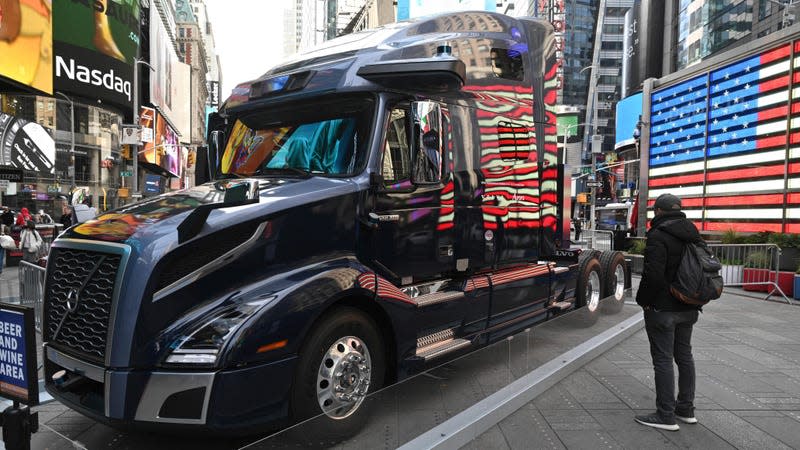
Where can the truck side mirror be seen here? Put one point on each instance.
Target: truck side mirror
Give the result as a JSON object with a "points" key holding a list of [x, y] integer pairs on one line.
{"points": [[427, 143]]}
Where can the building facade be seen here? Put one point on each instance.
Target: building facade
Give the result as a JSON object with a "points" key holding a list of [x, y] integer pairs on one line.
{"points": [[316, 21], [60, 127]]}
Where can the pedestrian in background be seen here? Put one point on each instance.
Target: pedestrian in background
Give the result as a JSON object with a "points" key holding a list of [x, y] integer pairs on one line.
{"points": [[23, 217], [578, 227], [66, 216], [6, 243], [30, 242], [668, 321], [6, 220]]}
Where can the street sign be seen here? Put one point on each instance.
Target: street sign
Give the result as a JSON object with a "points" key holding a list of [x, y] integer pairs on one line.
{"points": [[136, 195], [125, 173], [597, 143], [147, 134], [594, 184], [131, 135]]}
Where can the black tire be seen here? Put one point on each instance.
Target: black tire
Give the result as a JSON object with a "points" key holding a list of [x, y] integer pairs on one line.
{"points": [[318, 349], [589, 289], [615, 275], [588, 254]]}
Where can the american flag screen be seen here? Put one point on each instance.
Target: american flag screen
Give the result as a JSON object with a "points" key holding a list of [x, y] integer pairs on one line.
{"points": [[728, 143]]}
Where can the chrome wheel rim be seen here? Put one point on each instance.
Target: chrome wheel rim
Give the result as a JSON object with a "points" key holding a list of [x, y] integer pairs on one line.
{"points": [[619, 282], [593, 291], [343, 377]]}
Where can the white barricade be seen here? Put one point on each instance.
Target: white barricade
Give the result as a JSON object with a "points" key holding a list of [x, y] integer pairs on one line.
{"points": [[753, 267], [31, 288]]}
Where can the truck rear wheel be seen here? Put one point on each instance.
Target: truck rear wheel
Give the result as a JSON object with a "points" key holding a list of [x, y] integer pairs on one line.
{"points": [[590, 287], [341, 362], [615, 276]]}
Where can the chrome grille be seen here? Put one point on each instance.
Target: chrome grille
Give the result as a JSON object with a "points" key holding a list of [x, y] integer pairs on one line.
{"points": [[84, 330]]}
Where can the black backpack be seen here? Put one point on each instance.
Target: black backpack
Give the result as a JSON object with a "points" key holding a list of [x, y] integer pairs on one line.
{"points": [[697, 280]]}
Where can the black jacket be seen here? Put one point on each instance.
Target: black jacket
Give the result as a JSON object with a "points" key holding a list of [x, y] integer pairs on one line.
{"points": [[7, 218], [662, 255]]}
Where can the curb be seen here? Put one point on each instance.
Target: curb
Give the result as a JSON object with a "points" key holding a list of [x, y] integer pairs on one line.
{"points": [[475, 420]]}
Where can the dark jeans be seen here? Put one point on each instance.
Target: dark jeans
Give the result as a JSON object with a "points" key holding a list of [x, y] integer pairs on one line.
{"points": [[670, 335]]}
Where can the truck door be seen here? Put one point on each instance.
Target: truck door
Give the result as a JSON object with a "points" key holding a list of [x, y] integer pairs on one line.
{"points": [[412, 202]]}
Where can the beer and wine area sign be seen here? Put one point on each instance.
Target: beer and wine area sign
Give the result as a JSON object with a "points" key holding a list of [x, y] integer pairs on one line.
{"points": [[18, 378]]}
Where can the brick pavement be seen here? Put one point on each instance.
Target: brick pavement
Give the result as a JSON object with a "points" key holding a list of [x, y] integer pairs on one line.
{"points": [[747, 355]]}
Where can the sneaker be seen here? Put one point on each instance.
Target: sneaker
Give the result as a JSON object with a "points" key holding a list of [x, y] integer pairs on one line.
{"points": [[686, 419], [655, 421]]}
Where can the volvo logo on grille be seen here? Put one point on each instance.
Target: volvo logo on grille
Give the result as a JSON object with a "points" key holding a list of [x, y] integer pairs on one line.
{"points": [[73, 298]]}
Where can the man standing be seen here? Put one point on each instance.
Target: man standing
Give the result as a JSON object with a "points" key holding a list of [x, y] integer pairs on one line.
{"points": [[578, 224], [668, 321]]}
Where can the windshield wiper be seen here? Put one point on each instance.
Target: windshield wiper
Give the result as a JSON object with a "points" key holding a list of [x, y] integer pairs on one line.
{"points": [[297, 171]]}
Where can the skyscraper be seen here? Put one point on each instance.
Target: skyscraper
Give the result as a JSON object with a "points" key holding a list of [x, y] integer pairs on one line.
{"points": [[606, 70]]}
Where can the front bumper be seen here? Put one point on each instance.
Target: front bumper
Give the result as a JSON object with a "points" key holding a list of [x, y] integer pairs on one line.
{"points": [[250, 399]]}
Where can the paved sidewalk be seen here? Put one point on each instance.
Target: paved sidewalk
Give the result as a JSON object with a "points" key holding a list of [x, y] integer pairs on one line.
{"points": [[747, 354], [9, 285]]}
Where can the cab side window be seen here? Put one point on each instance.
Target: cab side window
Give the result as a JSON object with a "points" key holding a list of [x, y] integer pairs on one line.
{"points": [[397, 152]]}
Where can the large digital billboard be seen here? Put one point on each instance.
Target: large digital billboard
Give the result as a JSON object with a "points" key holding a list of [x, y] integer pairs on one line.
{"points": [[95, 45], [26, 145], [409, 9], [727, 143], [26, 43], [165, 150], [629, 115], [171, 79]]}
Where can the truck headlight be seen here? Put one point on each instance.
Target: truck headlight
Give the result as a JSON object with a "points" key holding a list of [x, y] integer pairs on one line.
{"points": [[203, 345]]}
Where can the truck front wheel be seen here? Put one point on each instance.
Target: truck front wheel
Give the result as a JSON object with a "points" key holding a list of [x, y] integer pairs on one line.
{"points": [[341, 362]]}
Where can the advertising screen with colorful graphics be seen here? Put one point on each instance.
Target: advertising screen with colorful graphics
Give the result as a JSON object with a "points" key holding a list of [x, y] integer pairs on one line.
{"points": [[720, 142], [26, 145], [95, 43], [147, 122], [171, 79], [18, 365], [26, 43], [164, 151], [409, 9]]}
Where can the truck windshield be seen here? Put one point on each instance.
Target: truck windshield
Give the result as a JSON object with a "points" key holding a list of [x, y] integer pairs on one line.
{"points": [[310, 145]]}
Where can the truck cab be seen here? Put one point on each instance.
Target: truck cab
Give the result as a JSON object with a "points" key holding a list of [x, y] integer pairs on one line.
{"points": [[373, 208]]}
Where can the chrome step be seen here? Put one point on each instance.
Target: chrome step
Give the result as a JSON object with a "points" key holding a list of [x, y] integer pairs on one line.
{"points": [[561, 305], [435, 338], [437, 297], [441, 348]]}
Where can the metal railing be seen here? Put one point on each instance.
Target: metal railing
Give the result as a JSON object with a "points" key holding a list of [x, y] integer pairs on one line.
{"points": [[31, 288], [596, 239], [753, 267]]}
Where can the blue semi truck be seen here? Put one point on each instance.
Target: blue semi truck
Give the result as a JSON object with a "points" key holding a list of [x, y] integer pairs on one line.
{"points": [[373, 208]]}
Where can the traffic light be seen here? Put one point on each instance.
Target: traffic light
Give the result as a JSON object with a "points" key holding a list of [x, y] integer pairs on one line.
{"points": [[126, 151], [190, 159]]}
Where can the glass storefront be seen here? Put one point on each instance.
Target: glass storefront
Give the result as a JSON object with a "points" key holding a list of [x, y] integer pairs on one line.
{"points": [[52, 173]]}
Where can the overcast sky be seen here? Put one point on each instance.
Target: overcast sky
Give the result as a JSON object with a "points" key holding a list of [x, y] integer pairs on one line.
{"points": [[249, 38]]}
